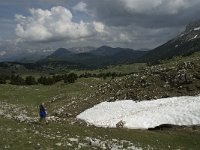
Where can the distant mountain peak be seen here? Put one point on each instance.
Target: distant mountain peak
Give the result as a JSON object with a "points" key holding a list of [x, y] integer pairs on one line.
{"points": [[97, 57], [184, 44], [60, 53], [193, 26], [62, 50], [82, 49], [192, 32], [104, 46]]}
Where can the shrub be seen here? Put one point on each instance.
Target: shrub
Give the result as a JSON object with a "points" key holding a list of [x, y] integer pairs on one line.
{"points": [[70, 78], [30, 80], [17, 80], [46, 80]]}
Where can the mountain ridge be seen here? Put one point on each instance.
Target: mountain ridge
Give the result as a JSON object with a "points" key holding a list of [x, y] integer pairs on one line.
{"points": [[184, 44], [98, 57]]}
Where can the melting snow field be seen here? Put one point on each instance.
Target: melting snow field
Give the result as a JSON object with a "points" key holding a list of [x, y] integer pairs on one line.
{"points": [[196, 29], [145, 114]]}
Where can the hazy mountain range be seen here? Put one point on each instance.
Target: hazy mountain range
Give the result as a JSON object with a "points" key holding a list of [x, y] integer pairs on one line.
{"points": [[101, 56], [184, 44]]}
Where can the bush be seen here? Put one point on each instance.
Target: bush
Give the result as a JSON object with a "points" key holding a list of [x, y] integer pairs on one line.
{"points": [[30, 80], [3, 79], [58, 78], [46, 80], [17, 80], [70, 78]]}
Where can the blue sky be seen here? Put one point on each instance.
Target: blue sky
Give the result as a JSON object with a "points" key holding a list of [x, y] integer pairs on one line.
{"points": [[40, 24]]}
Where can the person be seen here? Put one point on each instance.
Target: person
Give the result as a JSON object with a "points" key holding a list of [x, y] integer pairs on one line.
{"points": [[42, 112]]}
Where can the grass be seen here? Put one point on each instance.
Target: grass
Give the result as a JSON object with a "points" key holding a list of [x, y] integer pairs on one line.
{"points": [[23, 136], [74, 98], [34, 95], [125, 69], [181, 59]]}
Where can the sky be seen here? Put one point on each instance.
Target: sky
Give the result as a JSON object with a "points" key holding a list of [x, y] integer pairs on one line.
{"points": [[32, 25]]}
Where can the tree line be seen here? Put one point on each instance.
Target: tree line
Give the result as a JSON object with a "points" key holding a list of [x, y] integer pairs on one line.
{"points": [[44, 80], [50, 80], [104, 75]]}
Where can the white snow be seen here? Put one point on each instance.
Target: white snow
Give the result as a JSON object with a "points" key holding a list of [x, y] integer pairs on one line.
{"points": [[145, 114], [196, 29], [195, 36]]}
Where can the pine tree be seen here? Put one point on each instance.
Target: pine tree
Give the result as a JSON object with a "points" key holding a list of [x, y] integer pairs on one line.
{"points": [[17, 80], [70, 78], [30, 80]]}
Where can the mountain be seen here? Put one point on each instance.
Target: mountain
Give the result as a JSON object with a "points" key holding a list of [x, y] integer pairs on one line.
{"points": [[107, 51], [24, 56], [98, 57], [60, 54], [184, 44], [32, 58], [81, 49]]}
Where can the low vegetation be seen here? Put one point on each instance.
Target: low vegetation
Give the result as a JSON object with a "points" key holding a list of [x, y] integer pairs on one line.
{"points": [[63, 101]]}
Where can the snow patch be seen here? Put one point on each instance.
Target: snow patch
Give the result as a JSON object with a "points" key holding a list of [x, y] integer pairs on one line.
{"points": [[182, 35], [196, 29], [195, 36], [145, 114]]}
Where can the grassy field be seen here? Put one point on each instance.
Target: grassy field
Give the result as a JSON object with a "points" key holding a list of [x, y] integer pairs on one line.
{"points": [[70, 133], [180, 59], [125, 69], [64, 135], [66, 132]]}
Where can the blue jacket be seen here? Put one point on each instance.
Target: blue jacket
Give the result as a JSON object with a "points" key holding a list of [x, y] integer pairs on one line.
{"points": [[42, 112]]}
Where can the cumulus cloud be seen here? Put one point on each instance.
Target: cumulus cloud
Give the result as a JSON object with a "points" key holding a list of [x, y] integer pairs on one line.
{"points": [[81, 7], [141, 5], [141, 23], [137, 37], [54, 24], [99, 27], [147, 13], [2, 53], [124, 23], [153, 6]]}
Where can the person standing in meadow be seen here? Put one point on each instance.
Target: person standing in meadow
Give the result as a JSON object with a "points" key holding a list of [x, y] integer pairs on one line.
{"points": [[42, 112]]}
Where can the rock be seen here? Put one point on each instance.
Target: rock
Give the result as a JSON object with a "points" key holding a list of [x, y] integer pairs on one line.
{"points": [[73, 140], [120, 124], [58, 144], [190, 88]]}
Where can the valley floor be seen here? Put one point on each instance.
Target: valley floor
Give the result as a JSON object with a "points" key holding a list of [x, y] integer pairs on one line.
{"points": [[20, 129], [68, 134]]}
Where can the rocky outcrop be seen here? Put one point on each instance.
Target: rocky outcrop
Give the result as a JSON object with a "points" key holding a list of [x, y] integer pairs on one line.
{"points": [[159, 81]]}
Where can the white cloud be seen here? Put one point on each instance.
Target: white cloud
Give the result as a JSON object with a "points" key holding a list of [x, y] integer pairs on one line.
{"points": [[2, 53], [175, 5], [122, 38], [54, 24], [161, 6], [99, 27], [81, 7], [142, 5], [123, 23]]}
